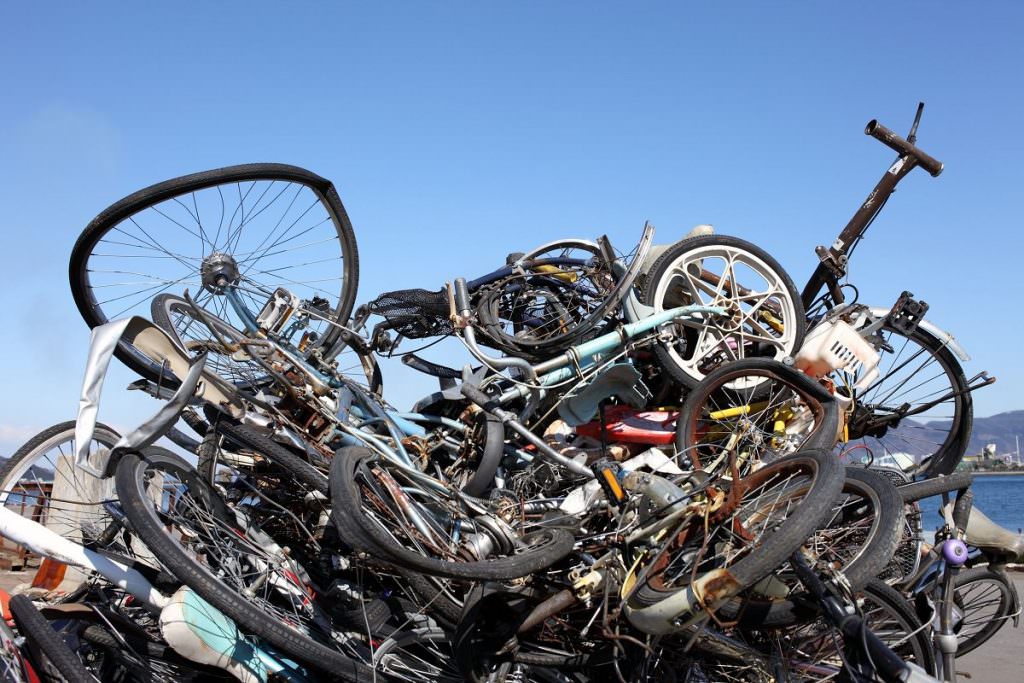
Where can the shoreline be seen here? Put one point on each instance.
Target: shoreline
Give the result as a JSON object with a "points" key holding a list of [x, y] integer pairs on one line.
{"points": [[998, 474]]}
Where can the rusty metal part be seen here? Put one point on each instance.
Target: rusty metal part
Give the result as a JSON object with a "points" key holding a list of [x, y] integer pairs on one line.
{"points": [[406, 506], [553, 605]]}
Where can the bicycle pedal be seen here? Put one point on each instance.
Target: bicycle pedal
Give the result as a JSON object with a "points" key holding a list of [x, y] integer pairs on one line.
{"points": [[906, 314], [607, 474]]}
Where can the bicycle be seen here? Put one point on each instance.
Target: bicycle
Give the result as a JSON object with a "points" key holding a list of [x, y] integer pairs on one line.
{"points": [[918, 376], [946, 591]]}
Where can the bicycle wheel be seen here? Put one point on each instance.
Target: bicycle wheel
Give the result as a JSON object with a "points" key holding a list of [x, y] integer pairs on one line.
{"points": [[41, 482], [54, 660], [983, 601], [813, 651], [765, 316], [431, 531], [918, 413], [555, 295], [768, 515], [14, 665], [857, 538], [252, 228], [230, 562], [756, 409], [422, 654]]}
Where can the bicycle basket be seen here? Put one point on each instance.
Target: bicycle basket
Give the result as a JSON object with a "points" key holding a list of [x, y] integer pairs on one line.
{"points": [[414, 313]]}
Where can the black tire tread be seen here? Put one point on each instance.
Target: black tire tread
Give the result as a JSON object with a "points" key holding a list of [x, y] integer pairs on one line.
{"points": [[935, 486], [97, 227], [44, 643], [138, 508], [29, 446], [347, 515]]}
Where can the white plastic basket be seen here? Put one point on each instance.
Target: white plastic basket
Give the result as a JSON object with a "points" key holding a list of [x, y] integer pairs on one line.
{"points": [[836, 346]]}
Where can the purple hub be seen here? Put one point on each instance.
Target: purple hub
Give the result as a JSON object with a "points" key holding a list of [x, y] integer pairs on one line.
{"points": [[954, 551]]}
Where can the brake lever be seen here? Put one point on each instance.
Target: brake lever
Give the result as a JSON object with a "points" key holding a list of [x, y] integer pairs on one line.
{"points": [[912, 138]]}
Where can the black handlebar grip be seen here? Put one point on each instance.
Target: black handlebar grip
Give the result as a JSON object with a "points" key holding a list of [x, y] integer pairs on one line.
{"points": [[461, 295], [891, 139], [962, 508], [888, 665], [476, 395]]}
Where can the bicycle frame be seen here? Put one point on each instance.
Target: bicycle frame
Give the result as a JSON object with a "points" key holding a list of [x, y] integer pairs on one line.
{"points": [[833, 259], [582, 357]]}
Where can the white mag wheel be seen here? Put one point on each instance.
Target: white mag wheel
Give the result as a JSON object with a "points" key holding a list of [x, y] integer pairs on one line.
{"points": [[765, 318]]}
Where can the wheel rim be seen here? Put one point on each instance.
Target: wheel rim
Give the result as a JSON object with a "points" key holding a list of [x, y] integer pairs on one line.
{"points": [[240, 555], [754, 414], [981, 603], [763, 502], [910, 375], [704, 346], [49, 488]]}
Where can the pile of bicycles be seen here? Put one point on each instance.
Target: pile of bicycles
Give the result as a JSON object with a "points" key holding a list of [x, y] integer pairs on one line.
{"points": [[656, 464]]}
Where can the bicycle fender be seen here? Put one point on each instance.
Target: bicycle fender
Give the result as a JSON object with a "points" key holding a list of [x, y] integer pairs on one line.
{"points": [[947, 339], [687, 606], [199, 632]]}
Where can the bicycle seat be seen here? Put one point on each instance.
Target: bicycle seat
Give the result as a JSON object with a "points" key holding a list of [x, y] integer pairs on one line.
{"points": [[985, 534], [657, 250]]}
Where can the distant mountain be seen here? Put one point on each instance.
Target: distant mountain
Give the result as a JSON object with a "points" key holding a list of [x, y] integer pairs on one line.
{"points": [[999, 429]]}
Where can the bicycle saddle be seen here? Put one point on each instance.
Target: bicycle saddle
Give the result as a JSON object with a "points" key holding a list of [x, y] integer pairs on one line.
{"points": [[985, 534]]}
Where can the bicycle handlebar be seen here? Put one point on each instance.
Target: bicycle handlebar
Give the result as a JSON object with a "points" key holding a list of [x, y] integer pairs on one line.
{"points": [[962, 508], [904, 148], [477, 396], [461, 295]]}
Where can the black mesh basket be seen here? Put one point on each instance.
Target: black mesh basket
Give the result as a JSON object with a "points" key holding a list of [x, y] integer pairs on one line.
{"points": [[414, 313]]}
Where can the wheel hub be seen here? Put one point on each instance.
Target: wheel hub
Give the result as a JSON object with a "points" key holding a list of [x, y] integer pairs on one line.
{"points": [[219, 271]]}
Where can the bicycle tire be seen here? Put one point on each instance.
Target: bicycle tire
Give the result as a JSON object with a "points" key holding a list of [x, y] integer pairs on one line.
{"points": [[45, 645], [243, 374], [771, 549], [421, 669], [175, 316], [125, 209], [721, 389], [347, 514], [881, 505], [152, 529], [935, 486], [693, 252], [106, 657], [251, 438], [966, 599], [888, 615], [900, 384], [920, 641]]}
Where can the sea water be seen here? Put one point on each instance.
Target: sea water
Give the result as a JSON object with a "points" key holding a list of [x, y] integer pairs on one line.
{"points": [[1000, 497]]}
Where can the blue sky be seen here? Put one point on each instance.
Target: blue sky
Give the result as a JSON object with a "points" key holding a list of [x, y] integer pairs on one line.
{"points": [[457, 132]]}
